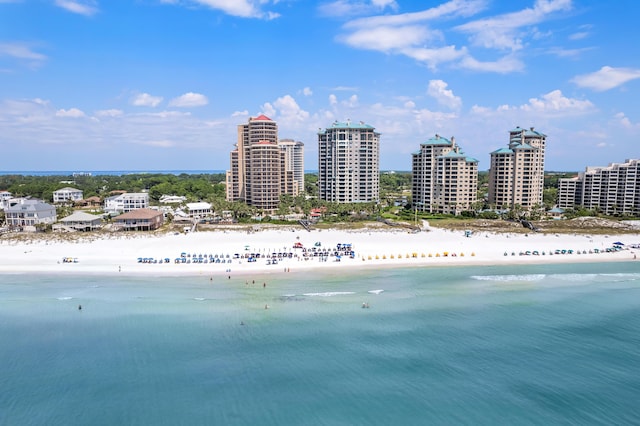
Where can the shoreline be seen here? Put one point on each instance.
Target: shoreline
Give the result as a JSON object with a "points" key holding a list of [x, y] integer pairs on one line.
{"points": [[372, 249]]}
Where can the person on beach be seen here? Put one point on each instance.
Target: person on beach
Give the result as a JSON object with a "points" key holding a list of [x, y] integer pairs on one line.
{"points": [[79, 307]]}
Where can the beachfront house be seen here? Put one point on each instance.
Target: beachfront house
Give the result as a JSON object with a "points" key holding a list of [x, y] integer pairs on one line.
{"points": [[126, 202], [139, 220], [199, 210], [78, 221], [27, 213], [65, 195]]}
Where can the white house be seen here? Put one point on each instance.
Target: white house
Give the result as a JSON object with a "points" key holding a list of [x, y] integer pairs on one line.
{"points": [[199, 210], [172, 199], [23, 212], [64, 195], [126, 202], [5, 196]]}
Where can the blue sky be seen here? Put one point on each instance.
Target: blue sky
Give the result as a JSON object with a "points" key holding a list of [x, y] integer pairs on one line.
{"points": [[163, 84]]}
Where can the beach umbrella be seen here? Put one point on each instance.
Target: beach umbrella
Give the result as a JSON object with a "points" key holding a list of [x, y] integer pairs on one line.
{"points": [[618, 243]]}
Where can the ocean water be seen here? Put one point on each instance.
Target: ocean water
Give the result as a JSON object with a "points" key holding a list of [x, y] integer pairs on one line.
{"points": [[539, 344]]}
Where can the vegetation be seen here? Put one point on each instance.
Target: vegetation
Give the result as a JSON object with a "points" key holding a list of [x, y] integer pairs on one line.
{"points": [[395, 197]]}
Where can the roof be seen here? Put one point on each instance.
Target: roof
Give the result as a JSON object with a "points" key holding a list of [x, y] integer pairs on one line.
{"points": [[198, 206], [262, 117], [350, 125], [528, 132], [30, 205], [452, 154], [503, 151], [140, 214], [524, 146], [80, 217], [68, 189], [437, 140]]}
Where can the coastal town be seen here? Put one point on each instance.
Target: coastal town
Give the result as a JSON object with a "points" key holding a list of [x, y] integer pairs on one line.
{"points": [[264, 169]]}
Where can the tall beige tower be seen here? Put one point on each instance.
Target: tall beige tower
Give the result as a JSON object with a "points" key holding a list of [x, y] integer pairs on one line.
{"points": [[349, 163], [516, 174], [444, 180], [258, 173]]}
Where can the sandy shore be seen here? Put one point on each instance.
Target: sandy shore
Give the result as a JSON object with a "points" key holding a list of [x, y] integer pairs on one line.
{"points": [[121, 253]]}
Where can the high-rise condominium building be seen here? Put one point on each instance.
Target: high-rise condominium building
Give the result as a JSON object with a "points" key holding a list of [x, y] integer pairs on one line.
{"points": [[294, 165], [614, 189], [259, 174], [444, 180], [349, 163], [516, 175]]}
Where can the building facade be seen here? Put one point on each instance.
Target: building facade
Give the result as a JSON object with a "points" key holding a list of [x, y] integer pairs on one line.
{"points": [[5, 196], [516, 173], [21, 212], [444, 180], [294, 165], [349, 163], [612, 190], [65, 195], [140, 220], [259, 170], [126, 202]]}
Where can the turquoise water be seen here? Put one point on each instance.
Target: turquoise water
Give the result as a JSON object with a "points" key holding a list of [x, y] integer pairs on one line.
{"points": [[554, 344]]}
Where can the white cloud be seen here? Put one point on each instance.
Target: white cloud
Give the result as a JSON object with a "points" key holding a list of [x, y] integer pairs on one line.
{"points": [[504, 65], [410, 34], [438, 90], [239, 8], [387, 38], [551, 105], [506, 31], [109, 113], [606, 78], [72, 112], [23, 52], [158, 143], [307, 91], [189, 100], [86, 8], [333, 100], [351, 8], [555, 101], [286, 109], [145, 99]]}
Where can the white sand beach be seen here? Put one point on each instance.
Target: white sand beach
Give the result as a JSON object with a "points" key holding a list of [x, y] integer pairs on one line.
{"points": [[199, 253]]}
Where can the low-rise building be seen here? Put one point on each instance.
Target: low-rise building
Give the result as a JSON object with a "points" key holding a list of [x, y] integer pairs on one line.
{"points": [[126, 202], [79, 221], [139, 220], [67, 194], [199, 210], [23, 212]]}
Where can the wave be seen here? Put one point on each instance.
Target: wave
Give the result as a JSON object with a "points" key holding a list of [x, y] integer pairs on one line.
{"points": [[329, 293], [65, 298], [375, 291], [528, 277], [199, 299], [574, 277]]}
